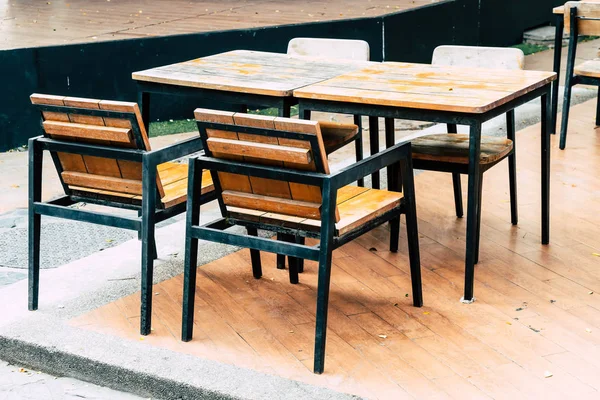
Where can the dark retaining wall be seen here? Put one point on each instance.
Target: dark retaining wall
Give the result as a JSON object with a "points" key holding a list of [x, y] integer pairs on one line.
{"points": [[103, 70]]}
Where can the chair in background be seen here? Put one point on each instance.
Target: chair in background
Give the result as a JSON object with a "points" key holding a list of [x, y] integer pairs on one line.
{"points": [[335, 135], [102, 155], [272, 173], [450, 152], [581, 18]]}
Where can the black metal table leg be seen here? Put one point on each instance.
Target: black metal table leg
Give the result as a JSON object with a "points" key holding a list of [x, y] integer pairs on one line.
{"points": [[545, 135], [390, 140], [374, 147], [472, 210], [560, 26]]}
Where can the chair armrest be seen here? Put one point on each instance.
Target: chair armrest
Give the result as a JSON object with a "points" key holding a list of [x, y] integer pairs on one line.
{"points": [[174, 151], [371, 164]]}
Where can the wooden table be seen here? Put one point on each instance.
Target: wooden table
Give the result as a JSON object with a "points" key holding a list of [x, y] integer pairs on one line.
{"points": [[241, 78], [456, 95]]}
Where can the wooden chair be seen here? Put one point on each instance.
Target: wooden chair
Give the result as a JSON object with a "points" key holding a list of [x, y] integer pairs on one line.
{"points": [[581, 18], [335, 135], [272, 173], [450, 152], [102, 155]]}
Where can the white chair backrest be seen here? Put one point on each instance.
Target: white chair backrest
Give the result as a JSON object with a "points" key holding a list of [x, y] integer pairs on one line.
{"points": [[330, 48], [479, 57]]}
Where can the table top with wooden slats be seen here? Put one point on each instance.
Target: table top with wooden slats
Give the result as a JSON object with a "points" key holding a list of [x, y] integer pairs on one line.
{"points": [[431, 87], [255, 72]]}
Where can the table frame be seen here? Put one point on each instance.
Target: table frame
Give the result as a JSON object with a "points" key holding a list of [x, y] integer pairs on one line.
{"points": [[474, 121]]}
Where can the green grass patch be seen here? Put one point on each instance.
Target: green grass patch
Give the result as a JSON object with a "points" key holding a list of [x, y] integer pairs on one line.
{"points": [[171, 127], [531, 48]]}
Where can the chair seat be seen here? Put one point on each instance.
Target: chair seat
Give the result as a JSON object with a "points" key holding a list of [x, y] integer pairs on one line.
{"points": [[589, 68], [337, 135], [356, 206], [174, 179], [454, 148]]}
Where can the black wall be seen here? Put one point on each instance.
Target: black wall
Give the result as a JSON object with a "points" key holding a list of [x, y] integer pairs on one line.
{"points": [[103, 70]]}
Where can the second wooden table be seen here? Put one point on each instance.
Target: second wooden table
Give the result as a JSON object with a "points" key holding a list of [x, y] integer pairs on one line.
{"points": [[451, 95]]}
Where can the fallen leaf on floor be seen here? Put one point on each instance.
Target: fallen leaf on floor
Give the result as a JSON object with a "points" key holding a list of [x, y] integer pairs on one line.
{"points": [[372, 249], [588, 330], [590, 292], [23, 370], [596, 254], [508, 323], [291, 332], [519, 309], [552, 301], [426, 313], [406, 295], [547, 374], [15, 186], [383, 336], [109, 240]]}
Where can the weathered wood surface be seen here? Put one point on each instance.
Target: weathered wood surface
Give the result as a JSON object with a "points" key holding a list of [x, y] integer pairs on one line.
{"points": [[589, 68], [106, 176], [31, 23], [479, 57], [356, 206], [245, 71], [561, 9], [454, 148], [537, 308], [336, 134], [588, 9], [424, 86], [261, 194]]}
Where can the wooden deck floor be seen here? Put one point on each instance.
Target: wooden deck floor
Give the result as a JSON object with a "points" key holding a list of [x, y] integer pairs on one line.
{"points": [[534, 331], [32, 23]]}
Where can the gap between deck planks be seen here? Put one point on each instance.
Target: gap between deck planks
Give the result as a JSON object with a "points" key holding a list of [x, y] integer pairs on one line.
{"points": [[534, 312]]}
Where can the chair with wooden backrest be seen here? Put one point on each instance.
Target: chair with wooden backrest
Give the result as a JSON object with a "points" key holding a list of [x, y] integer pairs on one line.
{"points": [[272, 174], [581, 18], [450, 152], [335, 135], [102, 155]]}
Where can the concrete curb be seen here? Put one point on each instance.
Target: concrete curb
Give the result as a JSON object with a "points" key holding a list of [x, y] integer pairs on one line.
{"points": [[176, 376]]}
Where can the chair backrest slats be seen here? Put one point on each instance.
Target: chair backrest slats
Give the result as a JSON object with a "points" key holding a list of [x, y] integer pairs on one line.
{"points": [[120, 125], [346, 49], [479, 57], [279, 142], [588, 17]]}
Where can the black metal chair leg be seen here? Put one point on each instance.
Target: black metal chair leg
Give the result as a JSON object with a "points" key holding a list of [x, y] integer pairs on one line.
{"points": [[148, 225], [191, 249], [569, 80], [478, 232], [280, 257], [153, 251], [35, 195], [394, 234], [598, 108], [358, 145], [560, 24], [292, 261], [512, 168], [326, 248], [412, 231], [300, 240], [255, 256]]}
